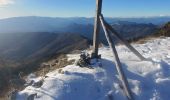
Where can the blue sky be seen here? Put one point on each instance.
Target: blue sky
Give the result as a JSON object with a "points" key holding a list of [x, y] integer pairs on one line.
{"points": [[83, 8]]}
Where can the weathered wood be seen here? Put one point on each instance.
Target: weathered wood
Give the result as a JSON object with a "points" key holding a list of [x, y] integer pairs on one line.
{"points": [[96, 29], [124, 41], [118, 63]]}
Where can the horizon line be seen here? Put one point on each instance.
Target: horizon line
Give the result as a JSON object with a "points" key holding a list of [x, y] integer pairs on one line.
{"points": [[87, 17]]}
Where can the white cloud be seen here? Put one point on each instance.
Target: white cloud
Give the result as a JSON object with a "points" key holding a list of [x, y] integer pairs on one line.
{"points": [[6, 2]]}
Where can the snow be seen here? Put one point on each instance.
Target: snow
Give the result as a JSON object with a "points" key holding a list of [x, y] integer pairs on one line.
{"points": [[148, 80]]}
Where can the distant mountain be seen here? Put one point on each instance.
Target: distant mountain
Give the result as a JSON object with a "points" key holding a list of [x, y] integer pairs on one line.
{"points": [[157, 20], [130, 30], [33, 47], [48, 24], [164, 31], [38, 24]]}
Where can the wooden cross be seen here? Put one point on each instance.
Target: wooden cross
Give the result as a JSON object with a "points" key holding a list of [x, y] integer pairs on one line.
{"points": [[99, 21]]}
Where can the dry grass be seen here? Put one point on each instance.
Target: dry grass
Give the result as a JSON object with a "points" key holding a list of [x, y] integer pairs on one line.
{"points": [[53, 64]]}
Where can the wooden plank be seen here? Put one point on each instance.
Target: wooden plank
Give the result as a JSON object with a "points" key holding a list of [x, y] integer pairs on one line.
{"points": [[124, 41], [118, 63], [96, 29]]}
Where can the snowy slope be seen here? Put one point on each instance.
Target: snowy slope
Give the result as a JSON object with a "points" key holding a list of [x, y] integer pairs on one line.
{"points": [[149, 80]]}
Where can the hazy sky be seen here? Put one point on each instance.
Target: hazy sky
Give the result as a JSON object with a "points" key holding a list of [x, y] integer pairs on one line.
{"points": [[83, 8]]}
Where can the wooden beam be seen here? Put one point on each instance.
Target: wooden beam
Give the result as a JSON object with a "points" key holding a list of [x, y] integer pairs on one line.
{"points": [[124, 41], [96, 29], [118, 63]]}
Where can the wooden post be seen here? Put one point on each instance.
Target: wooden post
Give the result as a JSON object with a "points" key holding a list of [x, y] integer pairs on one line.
{"points": [[96, 29], [118, 63]]}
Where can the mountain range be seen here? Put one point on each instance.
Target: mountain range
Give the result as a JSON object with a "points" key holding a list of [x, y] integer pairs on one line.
{"points": [[32, 47], [32, 38], [26, 37], [49, 24]]}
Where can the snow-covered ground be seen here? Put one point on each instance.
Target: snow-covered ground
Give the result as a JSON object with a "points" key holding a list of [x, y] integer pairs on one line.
{"points": [[148, 80]]}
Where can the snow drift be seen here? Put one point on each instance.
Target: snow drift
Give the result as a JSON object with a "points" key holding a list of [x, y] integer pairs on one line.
{"points": [[148, 80]]}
